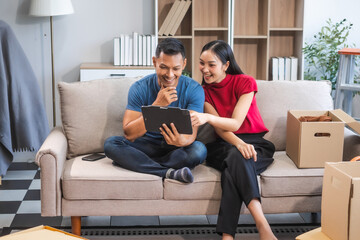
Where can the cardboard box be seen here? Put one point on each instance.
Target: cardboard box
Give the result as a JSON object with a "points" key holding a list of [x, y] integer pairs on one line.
{"points": [[315, 234], [311, 144], [340, 205], [42, 233]]}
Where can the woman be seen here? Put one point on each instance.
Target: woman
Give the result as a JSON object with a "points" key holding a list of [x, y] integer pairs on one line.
{"points": [[240, 152]]}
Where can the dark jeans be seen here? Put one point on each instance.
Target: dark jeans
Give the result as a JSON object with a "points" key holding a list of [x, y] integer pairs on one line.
{"points": [[151, 155], [239, 176]]}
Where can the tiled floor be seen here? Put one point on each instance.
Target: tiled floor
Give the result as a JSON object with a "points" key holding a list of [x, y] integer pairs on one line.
{"points": [[20, 206]]}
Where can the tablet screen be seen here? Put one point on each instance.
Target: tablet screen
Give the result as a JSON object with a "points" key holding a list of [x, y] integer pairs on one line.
{"points": [[155, 116]]}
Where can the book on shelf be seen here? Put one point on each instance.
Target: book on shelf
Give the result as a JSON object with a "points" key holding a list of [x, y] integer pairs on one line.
{"points": [[127, 50], [186, 5], [287, 68], [140, 53], [294, 67], [174, 18], [168, 17], [281, 68], [135, 47], [144, 51], [275, 68], [153, 46], [148, 50], [122, 49], [116, 51]]}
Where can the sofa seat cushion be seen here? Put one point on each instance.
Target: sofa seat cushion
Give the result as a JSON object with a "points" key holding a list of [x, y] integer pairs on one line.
{"points": [[206, 186], [283, 179], [102, 180]]}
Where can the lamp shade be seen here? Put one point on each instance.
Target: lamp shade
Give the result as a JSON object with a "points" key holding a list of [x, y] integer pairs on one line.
{"points": [[50, 7]]}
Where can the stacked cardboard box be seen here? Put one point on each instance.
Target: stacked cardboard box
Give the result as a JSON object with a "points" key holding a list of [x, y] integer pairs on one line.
{"points": [[340, 215]]}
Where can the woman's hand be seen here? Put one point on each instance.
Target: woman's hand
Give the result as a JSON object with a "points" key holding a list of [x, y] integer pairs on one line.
{"points": [[198, 119], [247, 150]]}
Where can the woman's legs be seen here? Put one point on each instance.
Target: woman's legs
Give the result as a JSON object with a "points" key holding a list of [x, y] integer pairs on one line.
{"points": [[261, 223]]}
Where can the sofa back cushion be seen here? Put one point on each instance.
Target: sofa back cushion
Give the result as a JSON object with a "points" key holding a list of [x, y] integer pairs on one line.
{"points": [[92, 111], [276, 98]]}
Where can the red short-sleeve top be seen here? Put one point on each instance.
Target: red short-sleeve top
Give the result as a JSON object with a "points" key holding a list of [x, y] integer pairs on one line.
{"points": [[224, 96]]}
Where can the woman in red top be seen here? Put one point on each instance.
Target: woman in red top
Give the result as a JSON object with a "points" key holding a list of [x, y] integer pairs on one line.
{"points": [[240, 152]]}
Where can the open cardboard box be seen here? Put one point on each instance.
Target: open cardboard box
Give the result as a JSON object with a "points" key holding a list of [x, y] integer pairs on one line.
{"points": [[42, 233], [340, 203], [311, 144]]}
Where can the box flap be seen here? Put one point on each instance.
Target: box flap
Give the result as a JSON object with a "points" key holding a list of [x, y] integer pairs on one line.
{"points": [[315, 234], [350, 122], [41, 233], [354, 230]]}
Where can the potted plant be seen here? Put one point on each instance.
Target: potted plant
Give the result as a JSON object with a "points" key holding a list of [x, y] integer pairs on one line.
{"points": [[321, 54]]}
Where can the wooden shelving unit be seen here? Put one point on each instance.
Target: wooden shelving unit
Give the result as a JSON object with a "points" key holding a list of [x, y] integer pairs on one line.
{"points": [[257, 30]]}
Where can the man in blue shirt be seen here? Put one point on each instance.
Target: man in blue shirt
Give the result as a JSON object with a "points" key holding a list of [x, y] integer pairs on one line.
{"points": [[166, 154]]}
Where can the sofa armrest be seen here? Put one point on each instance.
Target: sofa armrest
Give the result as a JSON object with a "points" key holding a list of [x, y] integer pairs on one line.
{"points": [[351, 145], [51, 158]]}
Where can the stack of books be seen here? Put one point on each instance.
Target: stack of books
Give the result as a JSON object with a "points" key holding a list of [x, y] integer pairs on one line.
{"points": [[284, 68], [134, 49], [174, 17]]}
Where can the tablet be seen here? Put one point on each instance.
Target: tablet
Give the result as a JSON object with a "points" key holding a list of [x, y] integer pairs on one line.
{"points": [[155, 116]]}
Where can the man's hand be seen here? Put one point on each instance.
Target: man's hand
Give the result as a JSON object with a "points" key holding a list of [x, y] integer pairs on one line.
{"points": [[247, 150], [172, 136], [165, 96]]}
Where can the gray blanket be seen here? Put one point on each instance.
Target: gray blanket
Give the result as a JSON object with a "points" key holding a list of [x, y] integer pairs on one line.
{"points": [[23, 122]]}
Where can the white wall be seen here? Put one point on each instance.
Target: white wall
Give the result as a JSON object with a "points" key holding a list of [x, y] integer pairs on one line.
{"points": [[86, 35], [316, 13]]}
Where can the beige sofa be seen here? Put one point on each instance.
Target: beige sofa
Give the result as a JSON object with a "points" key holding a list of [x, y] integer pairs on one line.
{"points": [[92, 111]]}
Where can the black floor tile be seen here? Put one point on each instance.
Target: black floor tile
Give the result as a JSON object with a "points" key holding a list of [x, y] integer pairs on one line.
{"points": [[23, 166], [32, 220], [9, 207], [32, 195], [15, 184], [37, 175]]}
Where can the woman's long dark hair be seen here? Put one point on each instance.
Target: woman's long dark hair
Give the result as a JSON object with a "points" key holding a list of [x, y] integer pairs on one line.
{"points": [[224, 52]]}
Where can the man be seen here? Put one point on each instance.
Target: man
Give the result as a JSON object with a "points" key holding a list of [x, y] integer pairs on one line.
{"points": [[167, 154]]}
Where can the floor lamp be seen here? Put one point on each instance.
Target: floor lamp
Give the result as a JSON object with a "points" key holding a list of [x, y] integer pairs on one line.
{"points": [[50, 8]]}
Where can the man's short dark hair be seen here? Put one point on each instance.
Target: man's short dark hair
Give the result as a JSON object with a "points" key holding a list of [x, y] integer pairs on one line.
{"points": [[170, 46]]}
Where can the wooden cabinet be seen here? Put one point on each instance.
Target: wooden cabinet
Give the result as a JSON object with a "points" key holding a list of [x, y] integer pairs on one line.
{"points": [[92, 71], [257, 30]]}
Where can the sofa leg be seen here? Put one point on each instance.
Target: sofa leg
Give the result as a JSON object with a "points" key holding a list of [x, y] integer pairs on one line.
{"points": [[76, 225]]}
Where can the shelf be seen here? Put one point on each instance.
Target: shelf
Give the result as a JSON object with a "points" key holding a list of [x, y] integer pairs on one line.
{"points": [[257, 30], [111, 66], [211, 29], [286, 13], [286, 29], [250, 17], [250, 37], [176, 36], [250, 56], [210, 13]]}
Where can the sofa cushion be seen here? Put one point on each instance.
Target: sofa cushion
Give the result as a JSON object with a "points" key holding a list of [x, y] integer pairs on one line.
{"points": [[92, 111], [102, 180], [206, 186], [276, 98], [283, 179]]}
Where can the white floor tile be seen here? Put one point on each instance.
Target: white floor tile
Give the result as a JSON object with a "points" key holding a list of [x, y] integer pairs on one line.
{"points": [[30, 207], [135, 221], [35, 184], [20, 175], [12, 195], [24, 156], [183, 220], [6, 219]]}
